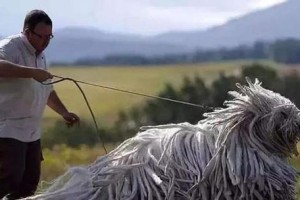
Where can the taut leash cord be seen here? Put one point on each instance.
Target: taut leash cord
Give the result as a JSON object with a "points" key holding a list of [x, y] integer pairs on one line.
{"points": [[135, 93]]}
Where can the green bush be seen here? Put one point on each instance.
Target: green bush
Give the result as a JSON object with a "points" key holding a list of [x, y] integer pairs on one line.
{"points": [[84, 133]]}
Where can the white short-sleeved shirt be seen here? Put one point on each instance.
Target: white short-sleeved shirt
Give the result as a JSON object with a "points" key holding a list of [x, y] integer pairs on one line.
{"points": [[22, 100]]}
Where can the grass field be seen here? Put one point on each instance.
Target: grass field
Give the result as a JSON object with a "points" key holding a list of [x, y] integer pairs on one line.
{"points": [[148, 80]]}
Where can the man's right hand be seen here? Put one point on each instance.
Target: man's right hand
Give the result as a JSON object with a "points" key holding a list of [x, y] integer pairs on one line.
{"points": [[41, 75]]}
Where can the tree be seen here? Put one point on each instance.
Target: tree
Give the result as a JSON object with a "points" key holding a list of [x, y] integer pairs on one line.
{"points": [[286, 51], [265, 74]]}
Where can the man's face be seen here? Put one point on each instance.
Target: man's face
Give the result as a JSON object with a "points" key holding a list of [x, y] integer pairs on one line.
{"points": [[39, 37]]}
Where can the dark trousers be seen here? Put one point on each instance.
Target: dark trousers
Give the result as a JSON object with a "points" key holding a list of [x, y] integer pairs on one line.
{"points": [[20, 167]]}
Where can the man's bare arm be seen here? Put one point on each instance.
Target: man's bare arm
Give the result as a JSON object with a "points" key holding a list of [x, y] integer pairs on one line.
{"points": [[11, 70], [55, 104]]}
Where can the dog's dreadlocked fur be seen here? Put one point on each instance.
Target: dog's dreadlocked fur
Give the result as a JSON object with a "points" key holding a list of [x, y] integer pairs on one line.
{"points": [[238, 152]]}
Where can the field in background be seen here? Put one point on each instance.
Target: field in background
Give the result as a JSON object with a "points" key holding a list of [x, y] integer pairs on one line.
{"points": [[148, 80]]}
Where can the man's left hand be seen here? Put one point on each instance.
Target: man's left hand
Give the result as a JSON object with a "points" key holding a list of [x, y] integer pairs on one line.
{"points": [[71, 119]]}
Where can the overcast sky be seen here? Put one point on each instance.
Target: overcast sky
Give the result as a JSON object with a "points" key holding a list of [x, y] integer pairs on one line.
{"points": [[144, 17]]}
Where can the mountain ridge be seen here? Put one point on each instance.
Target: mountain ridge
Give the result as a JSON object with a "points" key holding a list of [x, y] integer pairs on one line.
{"points": [[276, 22]]}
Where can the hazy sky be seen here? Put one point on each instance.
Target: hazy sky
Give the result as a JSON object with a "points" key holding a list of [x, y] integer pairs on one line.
{"points": [[145, 17]]}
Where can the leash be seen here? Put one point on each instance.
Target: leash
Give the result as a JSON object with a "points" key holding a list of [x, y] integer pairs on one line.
{"points": [[76, 82], [87, 103]]}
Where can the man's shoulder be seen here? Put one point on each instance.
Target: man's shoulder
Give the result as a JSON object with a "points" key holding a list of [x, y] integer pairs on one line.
{"points": [[10, 41], [9, 47]]}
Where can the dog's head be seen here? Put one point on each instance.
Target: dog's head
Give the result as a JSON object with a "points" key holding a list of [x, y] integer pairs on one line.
{"points": [[266, 120]]}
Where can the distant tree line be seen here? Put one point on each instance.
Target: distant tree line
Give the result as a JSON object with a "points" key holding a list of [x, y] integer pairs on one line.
{"points": [[154, 112], [282, 51]]}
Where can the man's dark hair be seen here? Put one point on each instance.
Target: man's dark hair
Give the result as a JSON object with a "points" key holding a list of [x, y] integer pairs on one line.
{"points": [[34, 17]]}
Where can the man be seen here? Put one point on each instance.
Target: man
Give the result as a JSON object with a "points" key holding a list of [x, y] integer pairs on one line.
{"points": [[23, 98]]}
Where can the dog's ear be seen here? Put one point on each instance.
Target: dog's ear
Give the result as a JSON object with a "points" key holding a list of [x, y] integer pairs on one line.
{"points": [[281, 120]]}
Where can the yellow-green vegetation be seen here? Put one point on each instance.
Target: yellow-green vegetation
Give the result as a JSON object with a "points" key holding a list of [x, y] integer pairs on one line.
{"points": [[60, 158]]}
